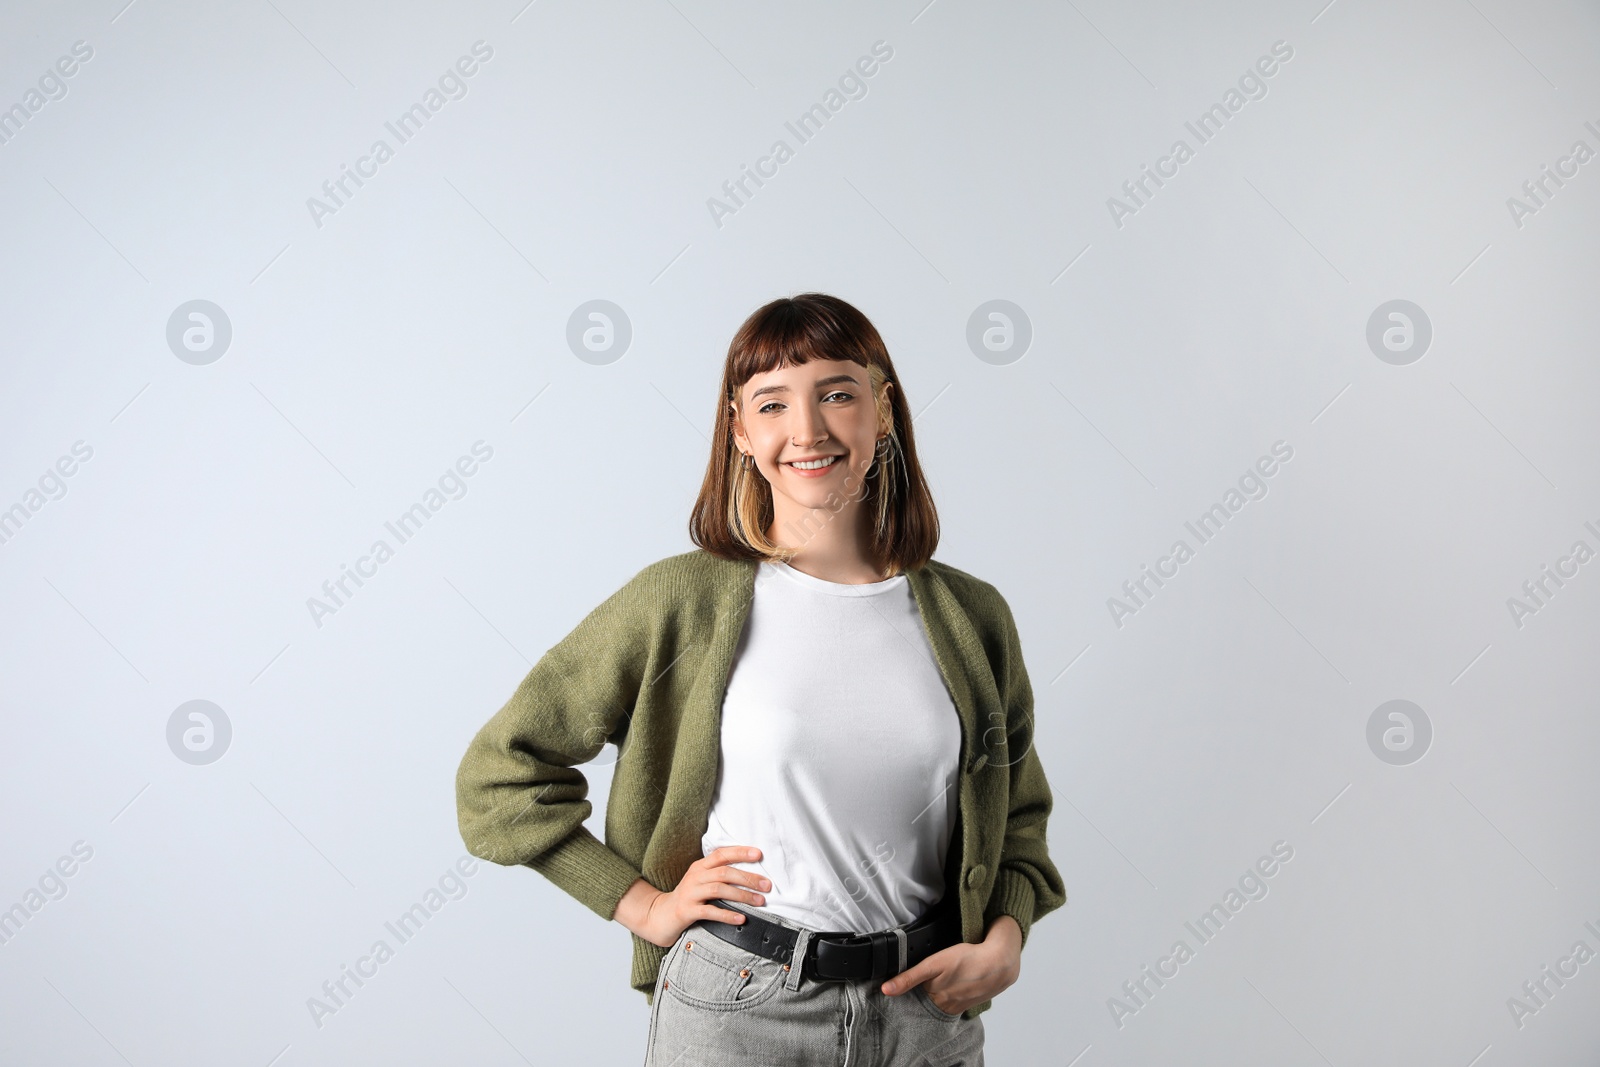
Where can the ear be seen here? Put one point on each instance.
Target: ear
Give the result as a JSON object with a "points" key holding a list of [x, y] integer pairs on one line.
{"points": [[738, 426]]}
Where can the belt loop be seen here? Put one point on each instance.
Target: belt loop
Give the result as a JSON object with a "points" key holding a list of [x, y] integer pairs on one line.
{"points": [[900, 938], [797, 959]]}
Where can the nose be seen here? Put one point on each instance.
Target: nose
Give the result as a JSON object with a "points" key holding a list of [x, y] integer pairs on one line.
{"points": [[809, 426]]}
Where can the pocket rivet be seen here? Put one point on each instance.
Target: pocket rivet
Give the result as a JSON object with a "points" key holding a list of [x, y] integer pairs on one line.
{"points": [[688, 946], [745, 973], [786, 966]]}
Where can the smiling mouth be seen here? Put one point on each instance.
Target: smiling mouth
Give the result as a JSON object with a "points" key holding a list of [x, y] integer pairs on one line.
{"points": [[815, 464]]}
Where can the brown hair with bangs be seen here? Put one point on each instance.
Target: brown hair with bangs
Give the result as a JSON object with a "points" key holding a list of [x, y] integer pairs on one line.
{"points": [[734, 510]]}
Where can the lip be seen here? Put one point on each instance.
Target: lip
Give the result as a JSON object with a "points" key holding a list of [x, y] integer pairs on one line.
{"points": [[820, 471]]}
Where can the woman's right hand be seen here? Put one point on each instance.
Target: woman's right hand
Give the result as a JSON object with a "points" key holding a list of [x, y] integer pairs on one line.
{"points": [[660, 917]]}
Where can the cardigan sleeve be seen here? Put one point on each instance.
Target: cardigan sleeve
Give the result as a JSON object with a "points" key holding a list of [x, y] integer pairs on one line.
{"points": [[1027, 885], [519, 797]]}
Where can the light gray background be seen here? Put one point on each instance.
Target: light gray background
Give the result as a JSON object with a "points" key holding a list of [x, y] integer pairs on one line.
{"points": [[431, 311]]}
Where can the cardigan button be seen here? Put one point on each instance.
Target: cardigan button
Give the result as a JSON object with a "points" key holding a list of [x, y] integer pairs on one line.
{"points": [[975, 875]]}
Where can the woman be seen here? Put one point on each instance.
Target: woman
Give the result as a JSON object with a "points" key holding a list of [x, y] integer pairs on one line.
{"points": [[826, 825]]}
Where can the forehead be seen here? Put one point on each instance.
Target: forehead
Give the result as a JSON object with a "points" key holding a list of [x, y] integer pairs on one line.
{"points": [[806, 376]]}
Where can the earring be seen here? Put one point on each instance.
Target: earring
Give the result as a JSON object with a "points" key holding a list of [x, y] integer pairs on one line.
{"points": [[747, 461], [880, 452]]}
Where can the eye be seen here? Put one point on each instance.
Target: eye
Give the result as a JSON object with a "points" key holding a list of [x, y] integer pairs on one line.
{"points": [[843, 394]]}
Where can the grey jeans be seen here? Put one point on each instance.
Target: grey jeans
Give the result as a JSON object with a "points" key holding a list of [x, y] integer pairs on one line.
{"points": [[716, 1005]]}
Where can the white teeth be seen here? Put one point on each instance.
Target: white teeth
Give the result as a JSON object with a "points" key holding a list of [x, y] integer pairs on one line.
{"points": [[815, 464]]}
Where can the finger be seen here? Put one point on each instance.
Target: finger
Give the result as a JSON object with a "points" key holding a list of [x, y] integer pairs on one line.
{"points": [[720, 915], [709, 886], [740, 876], [908, 979], [714, 890], [730, 883], [732, 854]]}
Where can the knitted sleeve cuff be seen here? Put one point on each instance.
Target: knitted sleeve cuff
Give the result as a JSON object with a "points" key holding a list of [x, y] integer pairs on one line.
{"points": [[589, 870], [1012, 895]]}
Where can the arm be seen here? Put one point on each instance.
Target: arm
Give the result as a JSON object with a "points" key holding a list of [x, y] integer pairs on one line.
{"points": [[519, 798], [1027, 885], [633, 910]]}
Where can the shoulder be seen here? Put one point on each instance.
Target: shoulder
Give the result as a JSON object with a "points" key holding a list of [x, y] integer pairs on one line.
{"points": [[696, 567], [661, 597], [689, 577], [988, 613], [977, 596]]}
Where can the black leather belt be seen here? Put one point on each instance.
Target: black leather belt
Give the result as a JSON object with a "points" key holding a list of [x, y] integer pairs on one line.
{"points": [[844, 956]]}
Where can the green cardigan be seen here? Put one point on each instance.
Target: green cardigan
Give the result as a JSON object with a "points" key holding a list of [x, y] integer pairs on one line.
{"points": [[647, 669]]}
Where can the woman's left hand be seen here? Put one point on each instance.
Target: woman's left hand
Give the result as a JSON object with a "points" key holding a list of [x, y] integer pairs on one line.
{"points": [[962, 975]]}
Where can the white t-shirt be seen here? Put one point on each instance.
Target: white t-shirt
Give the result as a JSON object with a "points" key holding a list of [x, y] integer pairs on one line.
{"points": [[840, 753]]}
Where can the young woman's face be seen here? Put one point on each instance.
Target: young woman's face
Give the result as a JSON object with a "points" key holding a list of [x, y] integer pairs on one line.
{"points": [[822, 409]]}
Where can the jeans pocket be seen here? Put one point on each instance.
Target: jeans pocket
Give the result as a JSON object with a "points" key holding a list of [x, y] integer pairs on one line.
{"points": [[921, 992], [707, 972]]}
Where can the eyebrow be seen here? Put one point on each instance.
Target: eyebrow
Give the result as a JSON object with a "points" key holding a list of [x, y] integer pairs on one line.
{"points": [[835, 380]]}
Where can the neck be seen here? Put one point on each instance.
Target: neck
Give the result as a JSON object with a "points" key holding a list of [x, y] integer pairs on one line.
{"points": [[827, 545]]}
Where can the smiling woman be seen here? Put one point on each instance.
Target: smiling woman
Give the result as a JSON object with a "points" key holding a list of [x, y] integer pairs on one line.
{"points": [[806, 708], [816, 412]]}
